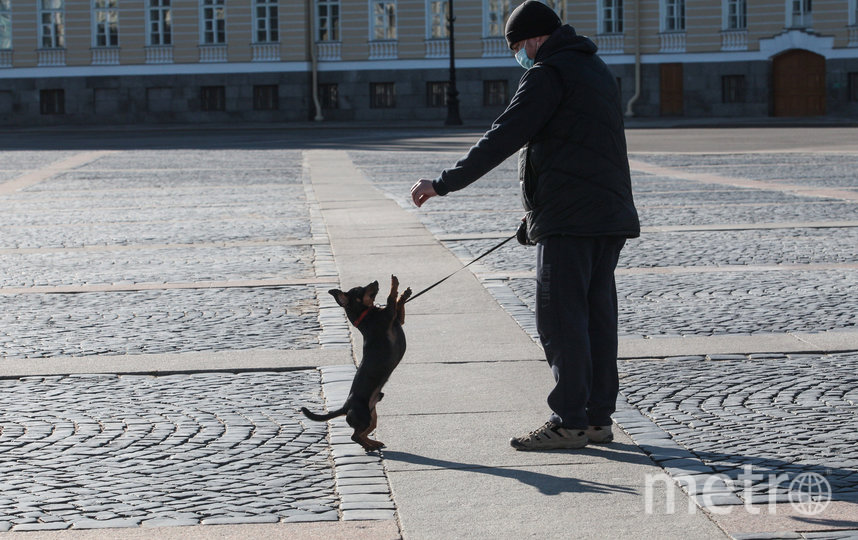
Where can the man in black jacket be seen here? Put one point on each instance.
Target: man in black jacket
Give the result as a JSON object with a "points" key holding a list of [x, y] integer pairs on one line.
{"points": [[566, 122]]}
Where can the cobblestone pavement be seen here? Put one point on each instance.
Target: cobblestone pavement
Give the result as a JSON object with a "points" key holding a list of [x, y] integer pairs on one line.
{"points": [[713, 260]]}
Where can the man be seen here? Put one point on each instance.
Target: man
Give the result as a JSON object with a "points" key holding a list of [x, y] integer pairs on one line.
{"points": [[566, 120]]}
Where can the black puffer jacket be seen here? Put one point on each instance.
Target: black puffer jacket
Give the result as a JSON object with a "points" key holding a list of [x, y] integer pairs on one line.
{"points": [[574, 169]]}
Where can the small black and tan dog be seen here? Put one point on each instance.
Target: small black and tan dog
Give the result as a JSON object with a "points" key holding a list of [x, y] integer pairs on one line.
{"points": [[383, 348]]}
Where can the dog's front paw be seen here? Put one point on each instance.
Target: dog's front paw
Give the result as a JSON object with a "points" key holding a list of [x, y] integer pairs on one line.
{"points": [[405, 295], [394, 282]]}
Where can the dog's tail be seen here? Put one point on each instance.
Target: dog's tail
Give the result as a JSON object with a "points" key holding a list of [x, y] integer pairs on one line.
{"points": [[322, 417]]}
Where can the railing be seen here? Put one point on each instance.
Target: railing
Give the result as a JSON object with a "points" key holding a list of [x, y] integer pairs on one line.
{"points": [[329, 50], [5, 58], [853, 36], [52, 57], [672, 42], [734, 40], [611, 43], [437, 48], [380, 50], [105, 56], [159, 54], [802, 20], [495, 46], [265, 52], [213, 53]]}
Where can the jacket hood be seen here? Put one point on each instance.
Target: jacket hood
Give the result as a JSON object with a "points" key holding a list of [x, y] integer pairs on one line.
{"points": [[565, 39]]}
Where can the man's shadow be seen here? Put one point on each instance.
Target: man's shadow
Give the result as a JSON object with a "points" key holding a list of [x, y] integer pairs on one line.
{"points": [[547, 484]]}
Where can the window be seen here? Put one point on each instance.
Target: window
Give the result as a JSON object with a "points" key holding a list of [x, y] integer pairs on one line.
{"points": [[436, 94], [611, 16], [266, 97], [213, 98], [328, 20], [328, 96], [52, 101], [853, 87], [383, 20], [495, 93], [52, 28], [105, 24], [853, 12], [496, 13], [382, 95], [160, 20], [5, 24], [266, 21], [735, 14], [436, 18], [733, 89], [213, 27], [673, 15], [800, 13]]}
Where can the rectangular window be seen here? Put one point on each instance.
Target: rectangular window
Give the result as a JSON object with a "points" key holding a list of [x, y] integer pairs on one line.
{"points": [[382, 95], [52, 101], [736, 16], [733, 89], [266, 21], [160, 20], [266, 97], [213, 98], [673, 15], [328, 96], [328, 20], [801, 12], [612, 17], [105, 26], [436, 94], [213, 27], [853, 87], [383, 20], [5, 24], [496, 14], [52, 32], [495, 93], [437, 11]]}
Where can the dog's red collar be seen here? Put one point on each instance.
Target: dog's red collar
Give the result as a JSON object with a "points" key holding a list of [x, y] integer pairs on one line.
{"points": [[362, 316]]}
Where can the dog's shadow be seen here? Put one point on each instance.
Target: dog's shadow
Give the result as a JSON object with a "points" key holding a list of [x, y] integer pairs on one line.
{"points": [[547, 484]]}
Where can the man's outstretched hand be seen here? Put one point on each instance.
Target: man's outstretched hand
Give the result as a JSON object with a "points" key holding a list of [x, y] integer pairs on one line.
{"points": [[422, 191]]}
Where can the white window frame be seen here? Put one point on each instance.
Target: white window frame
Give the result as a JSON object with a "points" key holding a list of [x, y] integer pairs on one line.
{"points": [[5, 24], [382, 20], [52, 33], [266, 21], [159, 23], [853, 12], [328, 20], [495, 15], [672, 10], [212, 22], [799, 14], [105, 23], [734, 10], [436, 19], [610, 17]]}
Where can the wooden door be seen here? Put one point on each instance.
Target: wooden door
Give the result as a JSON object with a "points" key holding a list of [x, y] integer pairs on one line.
{"points": [[671, 90], [798, 83]]}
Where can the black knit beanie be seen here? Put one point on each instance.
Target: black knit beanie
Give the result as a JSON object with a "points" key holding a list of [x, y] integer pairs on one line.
{"points": [[530, 19]]}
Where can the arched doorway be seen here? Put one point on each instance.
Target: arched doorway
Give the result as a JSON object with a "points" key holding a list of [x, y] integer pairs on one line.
{"points": [[798, 79]]}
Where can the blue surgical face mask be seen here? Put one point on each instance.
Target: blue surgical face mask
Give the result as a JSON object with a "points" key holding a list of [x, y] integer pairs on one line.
{"points": [[522, 58]]}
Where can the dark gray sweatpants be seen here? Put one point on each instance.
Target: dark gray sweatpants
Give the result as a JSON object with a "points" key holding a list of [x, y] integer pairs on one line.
{"points": [[576, 316]]}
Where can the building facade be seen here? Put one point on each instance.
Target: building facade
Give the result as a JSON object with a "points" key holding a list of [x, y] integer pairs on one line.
{"points": [[122, 61]]}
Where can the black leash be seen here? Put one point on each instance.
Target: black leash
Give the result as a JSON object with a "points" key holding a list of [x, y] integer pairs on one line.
{"points": [[440, 281]]}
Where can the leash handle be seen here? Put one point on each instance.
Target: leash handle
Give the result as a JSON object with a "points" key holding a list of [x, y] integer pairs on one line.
{"points": [[442, 280]]}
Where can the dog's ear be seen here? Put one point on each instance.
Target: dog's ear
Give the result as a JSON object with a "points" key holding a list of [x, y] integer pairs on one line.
{"points": [[341, 297]]}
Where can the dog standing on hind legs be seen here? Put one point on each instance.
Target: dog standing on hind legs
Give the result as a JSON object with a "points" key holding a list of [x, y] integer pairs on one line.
{"points": [[383, 348]]}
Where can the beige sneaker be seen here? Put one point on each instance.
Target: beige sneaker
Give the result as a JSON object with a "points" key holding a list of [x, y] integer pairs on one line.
{"points": [[550, 437], [599, 434]]}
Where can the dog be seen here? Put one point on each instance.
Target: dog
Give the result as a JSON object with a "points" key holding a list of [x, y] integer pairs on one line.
{"points": [[383, 348]]}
